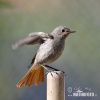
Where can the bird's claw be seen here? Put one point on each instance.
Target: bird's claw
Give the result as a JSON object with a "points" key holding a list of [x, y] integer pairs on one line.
{"points": [[50, 71]]}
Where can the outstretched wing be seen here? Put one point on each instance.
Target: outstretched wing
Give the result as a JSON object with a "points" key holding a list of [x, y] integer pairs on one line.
{"points": [[32, 38]]}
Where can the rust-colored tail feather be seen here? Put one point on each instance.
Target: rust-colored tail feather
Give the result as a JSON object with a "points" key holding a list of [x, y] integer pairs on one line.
{"points": [[36, 73]]}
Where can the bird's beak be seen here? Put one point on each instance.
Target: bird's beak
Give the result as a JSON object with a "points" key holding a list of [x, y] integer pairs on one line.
{"points": [[72, 31]]}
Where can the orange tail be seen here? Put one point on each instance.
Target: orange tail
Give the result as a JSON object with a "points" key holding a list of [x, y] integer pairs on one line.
{"points": [[36, 73]]}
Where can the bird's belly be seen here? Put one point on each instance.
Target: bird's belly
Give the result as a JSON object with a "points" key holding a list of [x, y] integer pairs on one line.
{"points": [[48, 53]]}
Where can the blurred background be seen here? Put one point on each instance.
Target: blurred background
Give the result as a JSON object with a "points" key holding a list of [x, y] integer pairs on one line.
{"points": [[80, 59]]}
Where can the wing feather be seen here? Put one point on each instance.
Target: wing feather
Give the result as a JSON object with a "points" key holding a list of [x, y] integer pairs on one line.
{"points": [[31, 39]]}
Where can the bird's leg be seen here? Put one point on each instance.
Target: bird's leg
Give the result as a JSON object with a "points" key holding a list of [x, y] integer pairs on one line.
{"points": [[54, 68], [47, 69]]}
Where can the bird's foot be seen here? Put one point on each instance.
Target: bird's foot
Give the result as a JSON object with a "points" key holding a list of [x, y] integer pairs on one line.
{"points": [[50, 71]]}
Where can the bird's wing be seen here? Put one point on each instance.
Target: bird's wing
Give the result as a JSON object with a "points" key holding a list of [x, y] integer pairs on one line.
{"points": [[32, 38], [32, 62]]}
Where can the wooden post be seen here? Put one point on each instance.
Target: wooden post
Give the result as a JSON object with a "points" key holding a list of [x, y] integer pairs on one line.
{"points": [[55, 85]]}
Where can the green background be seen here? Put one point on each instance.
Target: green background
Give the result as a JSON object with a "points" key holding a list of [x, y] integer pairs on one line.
{"points": [[80, 59]]}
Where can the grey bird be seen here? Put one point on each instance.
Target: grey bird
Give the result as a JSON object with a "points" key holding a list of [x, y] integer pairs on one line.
{"points": [[51, 48]]}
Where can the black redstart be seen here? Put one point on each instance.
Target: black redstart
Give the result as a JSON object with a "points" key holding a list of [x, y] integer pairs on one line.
{"points": [[51, 48]]}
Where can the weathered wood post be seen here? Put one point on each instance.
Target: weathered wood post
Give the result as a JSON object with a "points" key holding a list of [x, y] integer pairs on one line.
{"points": [[55, 85]]}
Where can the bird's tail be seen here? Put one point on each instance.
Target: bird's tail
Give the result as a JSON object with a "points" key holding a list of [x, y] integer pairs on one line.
{"points": [[36, 73]]}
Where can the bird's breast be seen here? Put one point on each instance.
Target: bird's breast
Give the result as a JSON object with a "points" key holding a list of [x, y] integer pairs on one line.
{"points": [[49, 51]]}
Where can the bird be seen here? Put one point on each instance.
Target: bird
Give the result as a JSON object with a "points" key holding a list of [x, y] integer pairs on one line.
{"points": [[51, 48]]}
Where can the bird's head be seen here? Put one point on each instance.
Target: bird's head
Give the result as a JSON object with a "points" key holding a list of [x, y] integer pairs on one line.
{"points": [[61, 32]]}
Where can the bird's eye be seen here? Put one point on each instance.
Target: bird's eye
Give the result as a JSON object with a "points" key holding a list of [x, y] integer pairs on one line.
{"points": [[63, 30]]}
